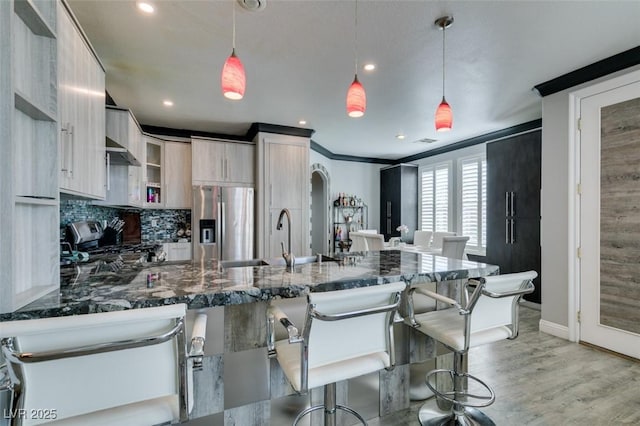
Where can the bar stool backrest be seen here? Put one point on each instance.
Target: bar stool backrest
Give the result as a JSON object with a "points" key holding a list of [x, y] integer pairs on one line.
{"points": [[492, 312], [88, 383], [335, 341]]}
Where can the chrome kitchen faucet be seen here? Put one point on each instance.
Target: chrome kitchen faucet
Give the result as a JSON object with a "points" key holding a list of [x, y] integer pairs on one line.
{"points": [[289, 258]]}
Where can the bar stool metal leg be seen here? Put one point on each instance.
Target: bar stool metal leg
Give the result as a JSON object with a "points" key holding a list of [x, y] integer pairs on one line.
{"points": [[462, 412], [330, 408]]}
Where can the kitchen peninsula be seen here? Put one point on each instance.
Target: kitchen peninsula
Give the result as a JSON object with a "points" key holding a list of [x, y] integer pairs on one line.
{"points": [[238, 382]]}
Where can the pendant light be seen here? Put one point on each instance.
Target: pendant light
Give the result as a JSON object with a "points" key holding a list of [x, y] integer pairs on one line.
{"points": [[356, 97], [233, 77], [444, 116]]}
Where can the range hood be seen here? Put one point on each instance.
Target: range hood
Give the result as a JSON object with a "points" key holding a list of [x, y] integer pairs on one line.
{"points": [[119, 155]]}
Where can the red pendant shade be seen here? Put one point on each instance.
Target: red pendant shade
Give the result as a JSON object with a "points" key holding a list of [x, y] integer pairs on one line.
{"points": [[444, 117], [233, 78], [356, 99]]}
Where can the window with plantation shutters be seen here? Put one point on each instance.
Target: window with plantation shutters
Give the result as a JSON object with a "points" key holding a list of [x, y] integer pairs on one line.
{"points": [[472, 219], [434, 197]]}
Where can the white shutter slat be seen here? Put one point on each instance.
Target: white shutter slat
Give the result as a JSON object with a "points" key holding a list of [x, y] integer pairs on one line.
{"points": [[434, 197]]}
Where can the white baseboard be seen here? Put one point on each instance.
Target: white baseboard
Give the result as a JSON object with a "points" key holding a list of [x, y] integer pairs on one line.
{"points": [[561, 331]]}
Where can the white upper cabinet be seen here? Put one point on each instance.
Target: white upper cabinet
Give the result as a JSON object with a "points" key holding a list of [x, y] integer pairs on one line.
{"points": [[224, 163], [81, 99], [154, 191], [124, 142], [177, 175], [124, 137]]}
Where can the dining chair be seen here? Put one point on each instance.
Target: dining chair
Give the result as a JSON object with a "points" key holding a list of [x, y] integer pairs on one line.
{"points": [[375, 242], [489, 314], [422, 238], [436, 243], [369, 231], [358, 241], [453, 247], [123, 367], [346, 334]]}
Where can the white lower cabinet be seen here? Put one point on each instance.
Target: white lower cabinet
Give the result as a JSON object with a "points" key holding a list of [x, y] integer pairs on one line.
{"points": [[177, 251]]}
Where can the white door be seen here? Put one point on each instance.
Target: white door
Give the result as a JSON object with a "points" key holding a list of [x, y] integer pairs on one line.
{"points": [[610, 219]]}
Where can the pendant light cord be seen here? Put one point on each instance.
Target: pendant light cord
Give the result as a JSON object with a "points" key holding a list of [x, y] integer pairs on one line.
{"points": [[233, 39], [444, 30], [355, 37]]}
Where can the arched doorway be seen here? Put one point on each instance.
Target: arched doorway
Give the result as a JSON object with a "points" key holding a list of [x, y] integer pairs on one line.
{"points": [[319, 214]]}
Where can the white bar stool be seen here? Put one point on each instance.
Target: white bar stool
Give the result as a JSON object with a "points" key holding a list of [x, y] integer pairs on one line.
{"points": [[123, 367], [346, 334], [489, 315]]}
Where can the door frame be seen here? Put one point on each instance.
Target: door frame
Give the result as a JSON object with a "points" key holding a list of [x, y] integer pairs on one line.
{"points": [[574, 170], [326, 220]]}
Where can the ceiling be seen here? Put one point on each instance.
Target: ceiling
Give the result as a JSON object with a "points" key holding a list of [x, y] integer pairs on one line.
{"points": [[299, 61]]}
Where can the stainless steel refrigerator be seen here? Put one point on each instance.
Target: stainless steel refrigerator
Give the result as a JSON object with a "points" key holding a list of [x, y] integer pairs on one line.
{"points": [[222, 223]]}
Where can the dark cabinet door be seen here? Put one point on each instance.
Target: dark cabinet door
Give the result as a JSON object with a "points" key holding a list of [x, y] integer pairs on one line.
{"points": [[390, 200], [409, 200], [525, 176], [398, 200], [499, 157], [513, 205]]}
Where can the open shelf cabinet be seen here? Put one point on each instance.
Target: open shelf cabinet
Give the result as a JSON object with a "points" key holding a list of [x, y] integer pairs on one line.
{"points": [[29, 198]]}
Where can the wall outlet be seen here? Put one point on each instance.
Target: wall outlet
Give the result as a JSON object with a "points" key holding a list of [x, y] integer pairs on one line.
{"points": [[154, 223]]}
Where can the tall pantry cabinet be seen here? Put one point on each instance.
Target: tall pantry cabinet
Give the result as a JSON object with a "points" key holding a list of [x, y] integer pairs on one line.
{"points": [[399, 200], [282, 181], [29, 200], [513, 205]]}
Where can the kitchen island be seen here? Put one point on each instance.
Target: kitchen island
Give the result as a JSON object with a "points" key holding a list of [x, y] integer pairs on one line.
{"points": [[239, 384], [206, 284]]}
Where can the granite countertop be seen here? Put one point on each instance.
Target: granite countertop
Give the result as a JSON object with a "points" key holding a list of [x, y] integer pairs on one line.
{"points": [[200, 285]]}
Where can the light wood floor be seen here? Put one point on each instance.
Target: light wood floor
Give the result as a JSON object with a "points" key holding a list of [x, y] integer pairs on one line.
{"points": [[540, 379]]}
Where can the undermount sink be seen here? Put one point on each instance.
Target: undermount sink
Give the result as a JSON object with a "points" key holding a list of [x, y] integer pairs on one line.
{"points": [[242, 263], [278, 261]]}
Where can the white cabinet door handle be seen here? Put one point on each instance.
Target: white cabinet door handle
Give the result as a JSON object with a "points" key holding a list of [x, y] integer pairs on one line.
{"points": [[73, 155], [108, 172]]}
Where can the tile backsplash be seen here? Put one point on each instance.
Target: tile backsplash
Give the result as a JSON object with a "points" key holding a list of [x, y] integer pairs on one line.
{"points": [[167, 221]]}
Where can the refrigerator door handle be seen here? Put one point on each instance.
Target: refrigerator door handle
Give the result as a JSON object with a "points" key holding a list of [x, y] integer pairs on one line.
{"points": [[219, 228]]}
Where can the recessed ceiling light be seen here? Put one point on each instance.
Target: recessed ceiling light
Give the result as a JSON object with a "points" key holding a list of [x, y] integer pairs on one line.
{"points": [[302, 122], [400, 136], [167, 103], [369, 67], [145, 7]]}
